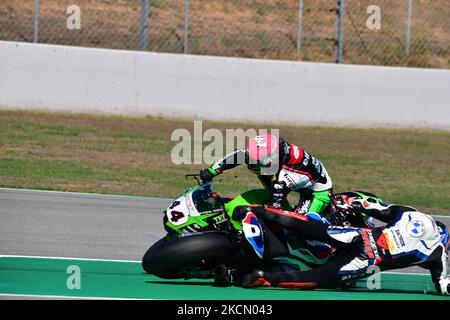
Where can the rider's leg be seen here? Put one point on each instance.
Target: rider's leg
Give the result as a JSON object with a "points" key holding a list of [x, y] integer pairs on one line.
{"points": [[337, 237], [353, 243], [352, 261], [314, 203], [321, 200], [328, 275]]}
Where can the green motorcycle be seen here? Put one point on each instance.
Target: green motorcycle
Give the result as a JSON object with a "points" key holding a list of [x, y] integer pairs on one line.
{"points": [[202, 234]]}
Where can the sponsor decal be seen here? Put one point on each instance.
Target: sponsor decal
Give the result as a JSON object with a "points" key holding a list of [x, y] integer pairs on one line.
{"points": [[382, 243], [296, 152], [389, 240], [373, 244], [306, 158], [369, 244], [400, 238], [394, 240], [415, 228], [190, 205], [219, 219], [397, 243], [253, 233], [317, 164], [288, 179], [350, 276]]}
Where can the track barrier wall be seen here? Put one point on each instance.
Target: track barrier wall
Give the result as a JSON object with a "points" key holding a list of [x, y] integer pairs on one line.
{"points": [[51, 77]]}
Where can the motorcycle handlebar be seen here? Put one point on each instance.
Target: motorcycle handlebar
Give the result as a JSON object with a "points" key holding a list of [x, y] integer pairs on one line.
{"points": [[196, 176]]}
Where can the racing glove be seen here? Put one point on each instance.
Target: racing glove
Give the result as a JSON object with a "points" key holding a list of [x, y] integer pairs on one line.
{"points": [[207, 174], [279, 192]]}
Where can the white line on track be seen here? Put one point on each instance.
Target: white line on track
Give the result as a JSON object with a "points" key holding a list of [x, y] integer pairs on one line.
{"points": [[86, 193], [63, 297], [66, 258]]}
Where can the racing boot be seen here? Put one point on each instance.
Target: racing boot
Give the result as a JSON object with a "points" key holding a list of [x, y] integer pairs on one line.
{"points": [[255, 279], [223, 277]]}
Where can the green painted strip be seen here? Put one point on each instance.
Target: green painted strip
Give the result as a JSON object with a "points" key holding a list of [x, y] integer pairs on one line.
{"points": [[110, 279]]}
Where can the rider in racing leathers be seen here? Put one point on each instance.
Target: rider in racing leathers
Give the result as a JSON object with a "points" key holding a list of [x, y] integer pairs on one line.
{"points": [[409, 238], [281, 167]]}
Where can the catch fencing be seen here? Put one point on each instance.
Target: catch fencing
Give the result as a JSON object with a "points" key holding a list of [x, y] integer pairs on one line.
{"points": [[378, 32]]}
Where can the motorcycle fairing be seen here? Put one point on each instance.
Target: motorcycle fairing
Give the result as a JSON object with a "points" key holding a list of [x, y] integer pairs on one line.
{"points": [[253, 232]]}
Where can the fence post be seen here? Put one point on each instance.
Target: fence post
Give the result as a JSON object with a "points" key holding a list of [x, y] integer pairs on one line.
{"points": [[300, 23], [339, 48], [36, 21], [186, 26], [408, 27], [143, 30]]}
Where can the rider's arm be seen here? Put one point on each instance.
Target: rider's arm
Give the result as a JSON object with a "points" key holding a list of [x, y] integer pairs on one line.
{"points": [[437, 263], [385, 215], [231, 160], [278, 192], [266, 181]]}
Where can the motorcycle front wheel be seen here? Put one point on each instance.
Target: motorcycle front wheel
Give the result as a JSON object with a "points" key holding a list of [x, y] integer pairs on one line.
{"points": [[176, 258]]}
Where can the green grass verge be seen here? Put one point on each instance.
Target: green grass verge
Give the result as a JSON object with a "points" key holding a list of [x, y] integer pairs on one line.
{"points": [[132, 155]]}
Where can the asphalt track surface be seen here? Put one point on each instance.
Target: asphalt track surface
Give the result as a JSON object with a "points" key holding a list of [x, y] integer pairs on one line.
{"points": [[62, 224], [104, 227]]}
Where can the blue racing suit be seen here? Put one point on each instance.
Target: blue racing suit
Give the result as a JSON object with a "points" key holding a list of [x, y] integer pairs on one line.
{"points": [[409, 238]]}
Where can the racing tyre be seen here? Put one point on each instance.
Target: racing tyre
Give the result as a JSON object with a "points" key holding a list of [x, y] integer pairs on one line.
{"points": [[172, 259]]}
